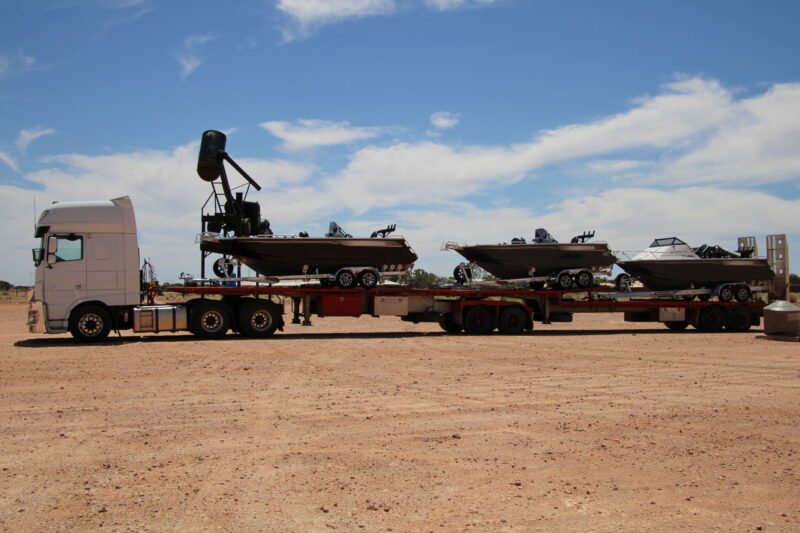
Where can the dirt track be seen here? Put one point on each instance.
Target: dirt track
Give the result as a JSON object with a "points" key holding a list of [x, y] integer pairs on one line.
{"points": [[378, 425]]}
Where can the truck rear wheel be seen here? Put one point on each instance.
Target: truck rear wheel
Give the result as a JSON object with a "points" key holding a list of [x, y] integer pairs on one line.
{"points": [[712, 319], [740, 319], [676, 325], [513, 320], [479, 320], [447, 323], [258, 319], [209, 319], [90, 323]]}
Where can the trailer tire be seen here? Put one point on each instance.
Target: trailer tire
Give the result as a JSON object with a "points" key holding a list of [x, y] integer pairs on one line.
{"points": [[742, 293], [368, 278], [622, 282], [740, 319], [447, 323], [258, 319], [584, 279], [564, 281], [345, 279], [725, 294], [210, 319], [479, 320], [712, 319], [462, 274], [513, 320], [90, 323], [676, 325]]}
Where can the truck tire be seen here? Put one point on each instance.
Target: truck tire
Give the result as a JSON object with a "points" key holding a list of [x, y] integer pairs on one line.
{"points": [[209, 319], [258, 319], [447, 323], [90, 323], [740, 319], [513, 320], [712, 319], [479, 320]]}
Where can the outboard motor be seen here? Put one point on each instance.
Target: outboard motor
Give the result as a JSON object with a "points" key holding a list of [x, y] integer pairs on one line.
{"points": [[209, 161]]}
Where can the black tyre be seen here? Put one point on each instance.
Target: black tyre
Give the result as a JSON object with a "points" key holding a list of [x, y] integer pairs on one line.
{"points": [[259, 318], [711, 319], [209, 319], [90, 323], [345, 279], [564, 281], [368, 278], [740, 319], [223, 267], [462, 274], [622, 282], [584, 279], [479, 320], [513, 320], [725, 294], [676, 325], [447, 323], [742, 293]]}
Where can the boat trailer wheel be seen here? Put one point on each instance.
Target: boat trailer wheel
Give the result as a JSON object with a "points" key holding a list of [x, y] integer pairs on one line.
{"points": [[725, 294], [368, 278], [564, 281], [742, 293], [223, 267], [584, 279], [345, 279]]}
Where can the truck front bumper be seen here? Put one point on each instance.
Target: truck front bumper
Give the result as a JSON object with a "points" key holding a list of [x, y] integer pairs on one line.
{"points": [[36, 317]]}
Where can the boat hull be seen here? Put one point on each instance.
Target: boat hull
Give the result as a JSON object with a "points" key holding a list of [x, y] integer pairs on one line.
{"points": [[513, 261], [288, 256], [677, 274]]}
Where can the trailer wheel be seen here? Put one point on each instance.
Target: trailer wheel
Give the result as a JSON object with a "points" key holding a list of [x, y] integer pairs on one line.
{"points": [[584, 279], [623, 282], [676, 325], [742, 293], [513, 320], [725, 294], [90, 323], [258, 319], [740, 319], [345, 279], [712, 319], [462, 274], [209, 319], [368, 278], [479, 320], [447, 323], [564, 281]]}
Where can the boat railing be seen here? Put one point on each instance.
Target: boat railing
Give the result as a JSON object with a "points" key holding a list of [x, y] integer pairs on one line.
{"points": [[217, 235], [649, 255]]}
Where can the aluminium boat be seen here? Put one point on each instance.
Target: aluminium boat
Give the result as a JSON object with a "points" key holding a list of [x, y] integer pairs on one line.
{"points": [[671, 264], [541, 258], [236, 230]]}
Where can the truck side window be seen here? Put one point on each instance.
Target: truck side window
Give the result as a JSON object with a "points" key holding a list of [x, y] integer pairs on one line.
{"points": [[70, 248]]}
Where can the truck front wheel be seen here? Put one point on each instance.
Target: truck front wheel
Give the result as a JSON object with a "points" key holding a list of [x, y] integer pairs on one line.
{"points": [[90, 323]]}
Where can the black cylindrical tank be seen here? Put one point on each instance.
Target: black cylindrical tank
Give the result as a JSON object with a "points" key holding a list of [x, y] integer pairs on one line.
{"points": [[209, 161]]}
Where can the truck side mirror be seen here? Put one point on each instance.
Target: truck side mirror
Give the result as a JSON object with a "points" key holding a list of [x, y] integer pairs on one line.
{"points": [[52, 248]]}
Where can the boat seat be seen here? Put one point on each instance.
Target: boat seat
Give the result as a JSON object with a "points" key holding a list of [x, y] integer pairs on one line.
{"points": [[335, 230], [518, 240], [542, 236]]}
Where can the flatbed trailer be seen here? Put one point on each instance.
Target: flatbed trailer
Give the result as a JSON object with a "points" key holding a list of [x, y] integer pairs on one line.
{"points": [[214, 310]]}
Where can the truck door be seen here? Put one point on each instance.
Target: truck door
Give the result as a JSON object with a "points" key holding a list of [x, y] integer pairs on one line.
{"points": [[64, 276]]}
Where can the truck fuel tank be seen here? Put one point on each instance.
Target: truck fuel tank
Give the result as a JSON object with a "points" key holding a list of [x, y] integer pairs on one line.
{"points": [[156, 318]]}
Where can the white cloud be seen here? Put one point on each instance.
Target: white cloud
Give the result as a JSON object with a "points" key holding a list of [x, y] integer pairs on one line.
{"points": [[16, 63], [28, 136], [308, 15], [9, 160], [444, 119], [444, 5], [306, 133], [188, 58]]}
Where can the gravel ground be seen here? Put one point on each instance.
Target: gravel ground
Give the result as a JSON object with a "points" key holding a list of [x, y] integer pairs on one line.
{"points": [[379, 425]]}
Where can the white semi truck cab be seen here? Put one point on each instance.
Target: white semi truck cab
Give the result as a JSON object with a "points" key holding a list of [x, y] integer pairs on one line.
{"points": [[87, 268]]}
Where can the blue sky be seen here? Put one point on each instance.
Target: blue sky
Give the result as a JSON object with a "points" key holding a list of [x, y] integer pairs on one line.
{"points": [[466, 120]]}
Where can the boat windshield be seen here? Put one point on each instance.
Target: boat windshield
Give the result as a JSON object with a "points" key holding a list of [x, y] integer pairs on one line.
{"points": [[669, 241]]}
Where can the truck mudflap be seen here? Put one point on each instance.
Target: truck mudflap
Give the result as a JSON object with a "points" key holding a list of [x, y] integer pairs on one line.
{"points": [[36, 317]]}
